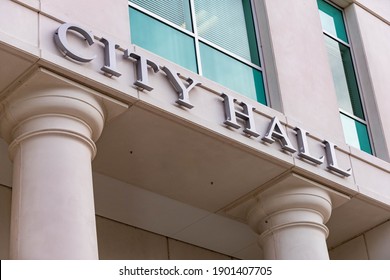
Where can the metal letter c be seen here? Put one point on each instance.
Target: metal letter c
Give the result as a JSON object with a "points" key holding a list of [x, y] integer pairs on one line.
{"points": [[63, 44]]}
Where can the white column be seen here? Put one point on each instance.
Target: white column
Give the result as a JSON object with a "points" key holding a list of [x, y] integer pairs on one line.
{"points": [[51, 126], [290, 221]]}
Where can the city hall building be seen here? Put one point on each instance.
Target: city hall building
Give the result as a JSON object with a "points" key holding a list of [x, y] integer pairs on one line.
{"points": [[195, 129]]}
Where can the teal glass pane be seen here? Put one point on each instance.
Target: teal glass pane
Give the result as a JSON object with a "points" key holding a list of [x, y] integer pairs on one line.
{"points": [[232, 73], [344, 77], [162, 40], [229, 25], [356, 134], [175, 11], [251, 32], [332, 20]]}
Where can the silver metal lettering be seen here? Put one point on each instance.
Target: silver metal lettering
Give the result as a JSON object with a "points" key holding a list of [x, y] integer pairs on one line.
{"points": [[180, 88], [303, 146], [332, 161], [231, 115], [275, 130], [142, 64], [63, 45], [110, 58]]}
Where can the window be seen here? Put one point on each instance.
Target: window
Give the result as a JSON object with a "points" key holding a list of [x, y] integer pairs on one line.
{"points": [[214, 38], [344, 77]]}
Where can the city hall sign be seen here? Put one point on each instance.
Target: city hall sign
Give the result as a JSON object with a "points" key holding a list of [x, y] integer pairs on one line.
{"points": [[275, 131]]}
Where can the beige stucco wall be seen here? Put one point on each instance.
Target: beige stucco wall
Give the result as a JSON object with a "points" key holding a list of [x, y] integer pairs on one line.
{"points": [[111, 22], [5, 214], [372, 245], [5, 199], [377, 7], [120, 241], [5, 165], [117, 240]]}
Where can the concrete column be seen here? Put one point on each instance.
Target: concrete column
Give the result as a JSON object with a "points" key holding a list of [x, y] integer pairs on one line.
{"points": [[290, 221], [51, 126]]}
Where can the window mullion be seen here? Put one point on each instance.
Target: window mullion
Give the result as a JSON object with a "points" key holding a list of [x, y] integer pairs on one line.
{"points": [[260, 51], [239, 58], [196, 37], [336, 39], [345, 113]]}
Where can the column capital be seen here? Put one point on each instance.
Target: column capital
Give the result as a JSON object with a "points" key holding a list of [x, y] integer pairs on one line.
{"points": [[288, 204], [45, 102], [290, 218]]}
